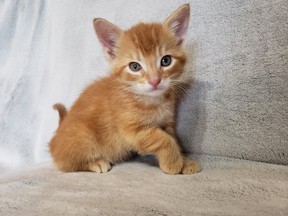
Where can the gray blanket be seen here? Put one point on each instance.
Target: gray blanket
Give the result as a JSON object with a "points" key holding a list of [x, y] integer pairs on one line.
{"points": [[225, 187]]}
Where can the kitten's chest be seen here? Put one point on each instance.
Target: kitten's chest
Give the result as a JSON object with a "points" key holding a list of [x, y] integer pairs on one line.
{"points": [[158, 115]]}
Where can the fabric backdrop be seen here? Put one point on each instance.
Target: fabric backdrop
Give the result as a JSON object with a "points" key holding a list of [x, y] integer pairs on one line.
{"points": [[238, 50]]}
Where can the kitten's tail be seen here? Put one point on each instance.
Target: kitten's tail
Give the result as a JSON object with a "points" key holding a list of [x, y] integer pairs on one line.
{"points": [[61, 110]]}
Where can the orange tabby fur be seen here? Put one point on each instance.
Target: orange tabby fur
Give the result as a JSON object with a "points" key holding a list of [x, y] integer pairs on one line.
{"points": [[111, 119]]}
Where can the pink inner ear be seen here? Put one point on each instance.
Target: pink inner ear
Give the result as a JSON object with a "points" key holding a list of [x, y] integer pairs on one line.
{"points": [[180, 26], [179, 22], [108, 35], [109, 44]]}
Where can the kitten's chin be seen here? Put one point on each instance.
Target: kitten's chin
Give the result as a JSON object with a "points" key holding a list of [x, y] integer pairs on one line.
{"points": [[147, 90], [154, 93], [152, 97]]}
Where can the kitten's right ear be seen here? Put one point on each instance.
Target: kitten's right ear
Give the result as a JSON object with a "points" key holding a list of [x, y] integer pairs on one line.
{"points": [[108, 35], [178, 22]]}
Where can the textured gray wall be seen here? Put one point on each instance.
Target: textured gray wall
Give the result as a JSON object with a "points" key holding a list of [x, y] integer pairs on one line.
{"points": [[238, 104]]}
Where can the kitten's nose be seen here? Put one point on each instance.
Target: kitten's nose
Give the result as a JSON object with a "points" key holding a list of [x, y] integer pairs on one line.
{"points": [[154, 82]]}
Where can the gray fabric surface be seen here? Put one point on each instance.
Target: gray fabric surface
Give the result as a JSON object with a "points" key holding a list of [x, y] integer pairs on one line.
{"points": [[237, 106], [224, 187]]}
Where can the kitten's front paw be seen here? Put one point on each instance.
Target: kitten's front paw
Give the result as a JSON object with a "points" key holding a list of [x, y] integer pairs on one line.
{"points": [[172, 168], [100, 166], [190, 167]]}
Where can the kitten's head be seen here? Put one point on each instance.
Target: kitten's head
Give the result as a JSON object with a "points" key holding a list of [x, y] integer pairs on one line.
{"points": [[149, 58]]}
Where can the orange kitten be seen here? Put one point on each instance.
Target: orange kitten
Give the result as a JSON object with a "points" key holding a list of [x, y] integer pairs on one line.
{"points": [[133, 108]]}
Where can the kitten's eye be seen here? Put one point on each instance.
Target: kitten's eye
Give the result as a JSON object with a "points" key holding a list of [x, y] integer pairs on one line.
{"points": [[166, 61], [134, 66]]}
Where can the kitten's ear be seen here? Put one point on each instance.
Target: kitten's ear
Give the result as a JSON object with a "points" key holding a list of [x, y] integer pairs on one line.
{"points": [[178, 22], [108, 35]]}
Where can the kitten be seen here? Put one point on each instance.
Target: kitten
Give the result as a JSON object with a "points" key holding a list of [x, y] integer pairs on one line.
{"points": [[133, 108]]}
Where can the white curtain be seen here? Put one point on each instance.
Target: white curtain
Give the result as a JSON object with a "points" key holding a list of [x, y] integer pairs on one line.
{"points": [[48, 54]]}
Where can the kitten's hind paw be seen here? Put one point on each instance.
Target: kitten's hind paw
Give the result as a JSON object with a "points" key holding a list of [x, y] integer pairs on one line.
{"points": [[100, 166], [190, 167]]}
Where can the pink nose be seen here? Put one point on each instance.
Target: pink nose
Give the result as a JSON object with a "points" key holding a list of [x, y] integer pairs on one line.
{"points": [[154, 82]]}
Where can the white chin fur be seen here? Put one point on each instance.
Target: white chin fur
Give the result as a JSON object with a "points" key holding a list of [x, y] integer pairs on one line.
{"points": [[147, 89], [154, 93]]}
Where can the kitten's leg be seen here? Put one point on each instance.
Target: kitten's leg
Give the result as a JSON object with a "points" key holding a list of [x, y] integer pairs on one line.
{"points": [[164, 146], [189, 166], [99, 166]]}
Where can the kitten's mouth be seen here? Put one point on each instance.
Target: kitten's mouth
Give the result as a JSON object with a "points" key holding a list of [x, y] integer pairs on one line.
{"points": [[152, 91], [155, 88], [156, 91]]}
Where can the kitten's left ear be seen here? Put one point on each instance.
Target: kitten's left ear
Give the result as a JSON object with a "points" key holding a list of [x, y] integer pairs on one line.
{"points": [[108, 35], [178, 22]]}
